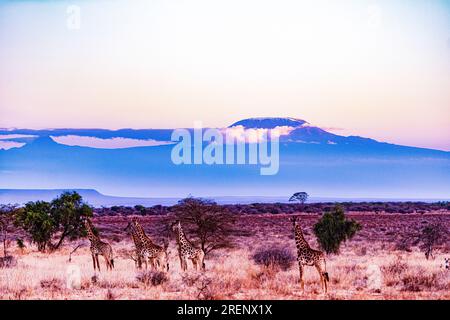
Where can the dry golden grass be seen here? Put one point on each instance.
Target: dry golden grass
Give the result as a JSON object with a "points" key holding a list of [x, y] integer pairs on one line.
{"points": [[231, 273]]}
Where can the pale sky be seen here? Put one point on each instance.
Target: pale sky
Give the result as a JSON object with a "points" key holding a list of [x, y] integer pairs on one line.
{"points": [[378, 69]]}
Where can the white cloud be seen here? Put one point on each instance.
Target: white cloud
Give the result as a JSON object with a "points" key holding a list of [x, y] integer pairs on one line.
{"points": [[112, 143], [241, 134], [5, 145], [16, 136]]}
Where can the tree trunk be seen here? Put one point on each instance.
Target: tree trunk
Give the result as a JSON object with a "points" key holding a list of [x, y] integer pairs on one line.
{"points": [[63, 235], [4, 242]]}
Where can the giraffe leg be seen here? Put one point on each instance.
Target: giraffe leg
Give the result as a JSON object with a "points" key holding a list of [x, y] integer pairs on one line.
{"points": [[93, 261], [300, 269], [194, 264], [322, 280], [98, 263], [108, 266], [181, 262], [184, 264], [146, 264], [152, 263]]}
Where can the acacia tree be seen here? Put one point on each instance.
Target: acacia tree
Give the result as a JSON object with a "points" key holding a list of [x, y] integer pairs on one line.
{"points": [[6, 220], [68, 211], [209, 222], [63, 217], [299, 196], [334, 228], [431, 236]]}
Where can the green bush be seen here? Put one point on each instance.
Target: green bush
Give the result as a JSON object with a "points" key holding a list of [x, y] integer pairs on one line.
{"points": [[334, 228]]}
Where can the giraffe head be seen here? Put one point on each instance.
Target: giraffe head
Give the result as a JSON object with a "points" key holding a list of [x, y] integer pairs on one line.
{"points": [[176, 226], [293, 220], [129, 228], [297, 227]]}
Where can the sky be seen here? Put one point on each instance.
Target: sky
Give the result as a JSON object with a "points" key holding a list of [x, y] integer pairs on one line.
{"points": [[377, 69]]}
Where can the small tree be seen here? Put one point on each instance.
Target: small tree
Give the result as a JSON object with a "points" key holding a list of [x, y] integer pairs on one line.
{"points": [[209, 222], [299, 196], [6, 220], [140, 208], [431, 236], [333, 228], [63, 216]]}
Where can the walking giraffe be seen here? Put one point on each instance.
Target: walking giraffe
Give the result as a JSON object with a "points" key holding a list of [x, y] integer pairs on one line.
{"points": [[147, 250], [309, 257], [99, 247], [186, 250]]}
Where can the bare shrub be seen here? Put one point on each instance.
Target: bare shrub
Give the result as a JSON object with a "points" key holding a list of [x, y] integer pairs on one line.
{"points": [[403, 244], [361, 251], [280, 258], [394, 271], [94, 279], [19, 293], [397, 267], [154, 278], [263, 276], [191, 279], [205, 292], [110, 295], [419, 281], [8, 262], [53, 284], [206, 289]]}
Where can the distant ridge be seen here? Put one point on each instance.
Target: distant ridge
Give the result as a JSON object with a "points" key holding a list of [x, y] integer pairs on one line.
{"points": [[97, 199]]}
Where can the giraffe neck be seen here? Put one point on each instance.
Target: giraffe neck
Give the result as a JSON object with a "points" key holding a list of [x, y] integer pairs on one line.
{"points": [[182, 237], [299, 238], [91, 236], [141, 234], [134, 236]]}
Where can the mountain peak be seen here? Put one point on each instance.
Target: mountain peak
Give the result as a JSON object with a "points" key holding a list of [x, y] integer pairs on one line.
{"points": [[269, 123]]}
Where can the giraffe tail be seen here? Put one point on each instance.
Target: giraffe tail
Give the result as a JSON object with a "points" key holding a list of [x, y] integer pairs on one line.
{"points": [[112, 262]]}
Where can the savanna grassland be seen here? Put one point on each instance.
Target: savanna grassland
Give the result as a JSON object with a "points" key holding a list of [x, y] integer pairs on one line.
{"points": [[231, 273]]}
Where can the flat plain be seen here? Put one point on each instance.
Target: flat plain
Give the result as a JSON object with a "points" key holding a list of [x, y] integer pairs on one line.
{"points": [[370, 266]]}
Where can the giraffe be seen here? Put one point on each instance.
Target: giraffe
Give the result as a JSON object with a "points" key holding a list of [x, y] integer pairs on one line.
{"points": [[156, 255], [99, 247], [187, 250], [309, 257], [136, 255]]}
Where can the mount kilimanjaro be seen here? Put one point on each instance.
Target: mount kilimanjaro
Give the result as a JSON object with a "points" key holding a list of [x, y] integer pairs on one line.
{"points": [[137, 163]]}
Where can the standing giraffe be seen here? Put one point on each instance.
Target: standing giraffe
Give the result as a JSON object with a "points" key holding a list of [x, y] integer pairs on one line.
{"points": [[187, 250], [147, 250], [309, 257], [99, 247], [137, 257]]}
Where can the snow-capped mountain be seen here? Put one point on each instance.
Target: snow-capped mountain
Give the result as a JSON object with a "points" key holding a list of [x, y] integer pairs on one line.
{"points": [[269, 123]]}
